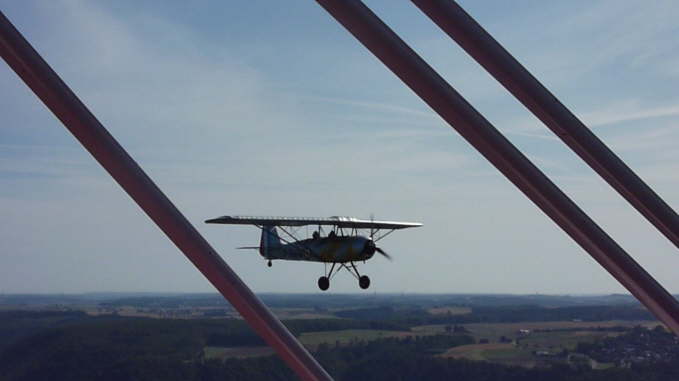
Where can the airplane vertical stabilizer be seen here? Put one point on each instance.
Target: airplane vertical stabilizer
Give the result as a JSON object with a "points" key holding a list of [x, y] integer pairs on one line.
{"points": [[269, 240]]}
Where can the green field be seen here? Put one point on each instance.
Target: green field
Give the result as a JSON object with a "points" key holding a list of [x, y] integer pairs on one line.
{"points": [[558, 341], [522, 350], [313, 339], [310, 340], [493, 331], [518, 352], [235, 352], [503, 353], [301, 313], [476, 352], [449, 310]]}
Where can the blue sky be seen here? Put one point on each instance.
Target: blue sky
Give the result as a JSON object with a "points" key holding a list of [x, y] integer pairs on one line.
{"points": [[250, 107]]}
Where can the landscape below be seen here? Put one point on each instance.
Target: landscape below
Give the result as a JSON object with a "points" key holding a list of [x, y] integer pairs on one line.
{"points": [[392, 336]]}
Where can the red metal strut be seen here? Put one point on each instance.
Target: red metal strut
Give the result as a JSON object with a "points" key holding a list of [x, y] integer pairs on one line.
{"points": [[66, 106], [454, 109], [471, 36]]}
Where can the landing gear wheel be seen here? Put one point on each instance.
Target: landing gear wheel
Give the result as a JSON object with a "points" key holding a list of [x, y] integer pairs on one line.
{"points": [[269, 263], [364, 282], [324, 283]]}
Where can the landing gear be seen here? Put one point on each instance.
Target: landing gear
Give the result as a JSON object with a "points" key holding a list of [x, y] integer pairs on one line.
{"points": [[269, 263], [323, 283], [364, 282]]}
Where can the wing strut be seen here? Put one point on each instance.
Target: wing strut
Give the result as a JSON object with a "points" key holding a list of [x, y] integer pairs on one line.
{"points": [[75, 116], [479, 44], [454, 109]]}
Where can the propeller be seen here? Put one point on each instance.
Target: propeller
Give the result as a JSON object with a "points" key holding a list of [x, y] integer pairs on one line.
{"points": [[370, 248], [383, 253]]}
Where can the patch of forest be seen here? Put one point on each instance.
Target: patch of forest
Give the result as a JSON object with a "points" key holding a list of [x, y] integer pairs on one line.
{"points": [[15, 325]]}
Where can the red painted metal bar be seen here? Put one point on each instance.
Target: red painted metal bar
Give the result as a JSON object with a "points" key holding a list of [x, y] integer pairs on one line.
{"points": [[471, 36], [454, 109], [47, 85]]}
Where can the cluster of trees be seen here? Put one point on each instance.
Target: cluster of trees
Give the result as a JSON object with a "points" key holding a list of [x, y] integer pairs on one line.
{"points": [[638, 346], [15, 325]]}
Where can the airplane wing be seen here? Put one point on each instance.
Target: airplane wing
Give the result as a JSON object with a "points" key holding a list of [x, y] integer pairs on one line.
{"points": [[342, 222]]}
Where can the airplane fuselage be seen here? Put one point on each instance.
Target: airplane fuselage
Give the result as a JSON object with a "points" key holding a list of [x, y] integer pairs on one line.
{"points": [[339, 249]]}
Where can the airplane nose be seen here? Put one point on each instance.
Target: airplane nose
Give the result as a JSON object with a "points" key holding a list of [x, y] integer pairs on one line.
{"points": [[369, 248]]}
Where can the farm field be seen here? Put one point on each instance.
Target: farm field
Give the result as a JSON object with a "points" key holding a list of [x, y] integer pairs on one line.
{"points": [[313, 339], [301, 313], [494, 331], [525, 353], [235, 352], [478, 352], [449, 310], [310, 340], [583, 332], [524, 348]]}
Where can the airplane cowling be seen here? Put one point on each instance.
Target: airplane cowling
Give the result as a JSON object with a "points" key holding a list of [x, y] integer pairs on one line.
{"points": [[369, 249]]}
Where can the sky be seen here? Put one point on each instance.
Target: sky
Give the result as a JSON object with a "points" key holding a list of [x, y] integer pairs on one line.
{"points": [[272, 108]]}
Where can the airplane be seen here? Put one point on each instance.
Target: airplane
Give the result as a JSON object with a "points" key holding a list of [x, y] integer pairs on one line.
{"points": [[342, 246]]}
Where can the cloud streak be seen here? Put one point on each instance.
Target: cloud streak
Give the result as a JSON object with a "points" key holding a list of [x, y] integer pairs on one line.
{"points": [[627, 112]]}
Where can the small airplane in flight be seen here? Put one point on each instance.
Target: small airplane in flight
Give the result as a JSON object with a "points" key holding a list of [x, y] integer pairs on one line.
{"points": [[348, 240]]}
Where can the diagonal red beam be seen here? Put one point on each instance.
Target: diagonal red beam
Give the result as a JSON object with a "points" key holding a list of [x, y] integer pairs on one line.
{"points": [[454, 109], [66, 106], [479, 44]]}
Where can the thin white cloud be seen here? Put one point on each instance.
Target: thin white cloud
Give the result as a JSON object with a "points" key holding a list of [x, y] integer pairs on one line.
{"points": [[376, 106], [628, 111], [545, 136]]}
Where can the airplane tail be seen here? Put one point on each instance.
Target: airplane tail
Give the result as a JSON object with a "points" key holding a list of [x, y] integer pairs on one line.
{"points": [[269, 241]]}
